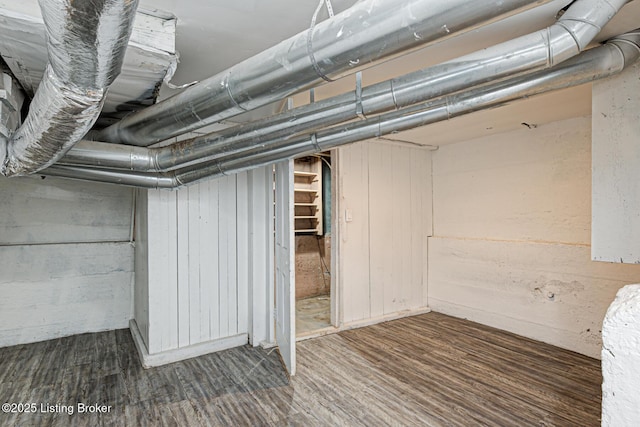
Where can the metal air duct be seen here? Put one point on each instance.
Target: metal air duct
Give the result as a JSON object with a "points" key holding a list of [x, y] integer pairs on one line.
{"points": [[539, 50], [369, 31], [86, 43], [593, 64]]}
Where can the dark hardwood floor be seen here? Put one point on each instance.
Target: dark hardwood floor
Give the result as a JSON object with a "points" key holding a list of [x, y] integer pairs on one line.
{"points": [[430, 370]]}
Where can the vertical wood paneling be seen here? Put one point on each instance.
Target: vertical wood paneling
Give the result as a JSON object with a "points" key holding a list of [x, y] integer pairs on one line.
{"points": [[213, 278], [226, 253], [141, 288], [400, 297], [261, 254], [194, 262], [285, 305], [387, 189], [232, 249], [354, 235], [199, 264], [160, 271], [242, 257], [184, 282], [381, 236], [170, 340], [205, 261]]}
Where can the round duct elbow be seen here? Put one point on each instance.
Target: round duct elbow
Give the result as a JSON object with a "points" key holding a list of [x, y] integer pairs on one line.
{"points": [[86, 42]]}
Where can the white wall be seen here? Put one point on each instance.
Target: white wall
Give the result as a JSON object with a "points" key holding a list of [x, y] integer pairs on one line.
{"points": [[621, 360], [199, 251], [511, 245], [66, 261], [616, 175], [384, 218]]}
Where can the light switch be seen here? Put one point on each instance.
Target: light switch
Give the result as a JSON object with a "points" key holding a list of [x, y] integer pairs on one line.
{"points": [[348, 216]]}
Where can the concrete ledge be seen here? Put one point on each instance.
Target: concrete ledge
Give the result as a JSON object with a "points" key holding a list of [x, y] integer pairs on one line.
{"points": [[183, 353], [621, 360]]}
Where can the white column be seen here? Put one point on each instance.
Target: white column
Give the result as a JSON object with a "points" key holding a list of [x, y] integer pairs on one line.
{"points": [[615, 231], [621, 360]]}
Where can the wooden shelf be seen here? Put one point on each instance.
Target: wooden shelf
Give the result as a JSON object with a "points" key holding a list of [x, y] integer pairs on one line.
{"points": [[302, 174], [308, 196]]}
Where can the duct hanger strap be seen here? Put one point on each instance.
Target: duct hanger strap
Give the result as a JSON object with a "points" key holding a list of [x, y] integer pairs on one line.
{"points": [[312, 57], [314, 142], [329, 8], [227, 86], [359, 107]]}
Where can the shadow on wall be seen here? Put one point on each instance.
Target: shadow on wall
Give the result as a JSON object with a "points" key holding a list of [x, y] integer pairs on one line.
{"points": [[313, 261]]}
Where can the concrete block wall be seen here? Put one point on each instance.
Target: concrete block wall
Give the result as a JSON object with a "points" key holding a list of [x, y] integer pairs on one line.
{"points": [[66, 258]]}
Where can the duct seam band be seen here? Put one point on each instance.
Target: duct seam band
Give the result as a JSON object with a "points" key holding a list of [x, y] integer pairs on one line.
{"points": [[227, 86], [312, 57]]}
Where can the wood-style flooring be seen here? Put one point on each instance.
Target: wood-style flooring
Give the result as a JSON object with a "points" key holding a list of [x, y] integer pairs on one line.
{"points": [[428, 370], [313, 314]]}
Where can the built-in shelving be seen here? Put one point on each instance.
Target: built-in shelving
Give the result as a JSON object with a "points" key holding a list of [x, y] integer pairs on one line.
{"points": [[308, 195]]}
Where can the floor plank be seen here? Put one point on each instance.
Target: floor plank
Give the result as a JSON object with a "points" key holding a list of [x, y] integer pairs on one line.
{"points": [[430, 370]]}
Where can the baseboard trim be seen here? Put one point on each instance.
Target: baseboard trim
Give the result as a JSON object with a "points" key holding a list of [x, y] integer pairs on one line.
{"points": [[183, 353]]}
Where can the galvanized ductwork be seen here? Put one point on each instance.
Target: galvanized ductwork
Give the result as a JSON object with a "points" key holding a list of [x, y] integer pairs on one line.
{"points": [[539, 50], [86, 44], [369, 31], [591, 65]]}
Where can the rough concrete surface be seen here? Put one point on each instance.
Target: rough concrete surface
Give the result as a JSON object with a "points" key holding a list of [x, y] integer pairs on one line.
{"points": [[621, 360]]}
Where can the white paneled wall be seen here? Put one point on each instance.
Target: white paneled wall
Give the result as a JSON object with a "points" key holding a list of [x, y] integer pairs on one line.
{"points": [[65, 257], [193, 271], [384, 218], [512, 220]]}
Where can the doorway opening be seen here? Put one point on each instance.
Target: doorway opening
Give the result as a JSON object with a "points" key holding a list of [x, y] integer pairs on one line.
{"points": [[313, 241]]}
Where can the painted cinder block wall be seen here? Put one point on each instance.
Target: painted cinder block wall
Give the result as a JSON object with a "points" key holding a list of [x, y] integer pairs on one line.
{"points": [[66, 258]]}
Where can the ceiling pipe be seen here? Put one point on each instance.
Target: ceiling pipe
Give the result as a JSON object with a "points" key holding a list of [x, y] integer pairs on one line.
{"points": [[369, 31], [591, 65], [539, 50], [86, 42]]}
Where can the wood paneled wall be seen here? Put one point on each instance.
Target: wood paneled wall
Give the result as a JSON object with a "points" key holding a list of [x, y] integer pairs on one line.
{"points": [[194, 261], [65, 257], [384, 218]]}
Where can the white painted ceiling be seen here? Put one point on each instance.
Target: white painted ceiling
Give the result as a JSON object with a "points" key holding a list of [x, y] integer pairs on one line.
{"points": [[213, 35]]}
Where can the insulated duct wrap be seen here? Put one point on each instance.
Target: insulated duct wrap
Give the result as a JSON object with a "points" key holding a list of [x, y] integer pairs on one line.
{"points": [[86, 43]]}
